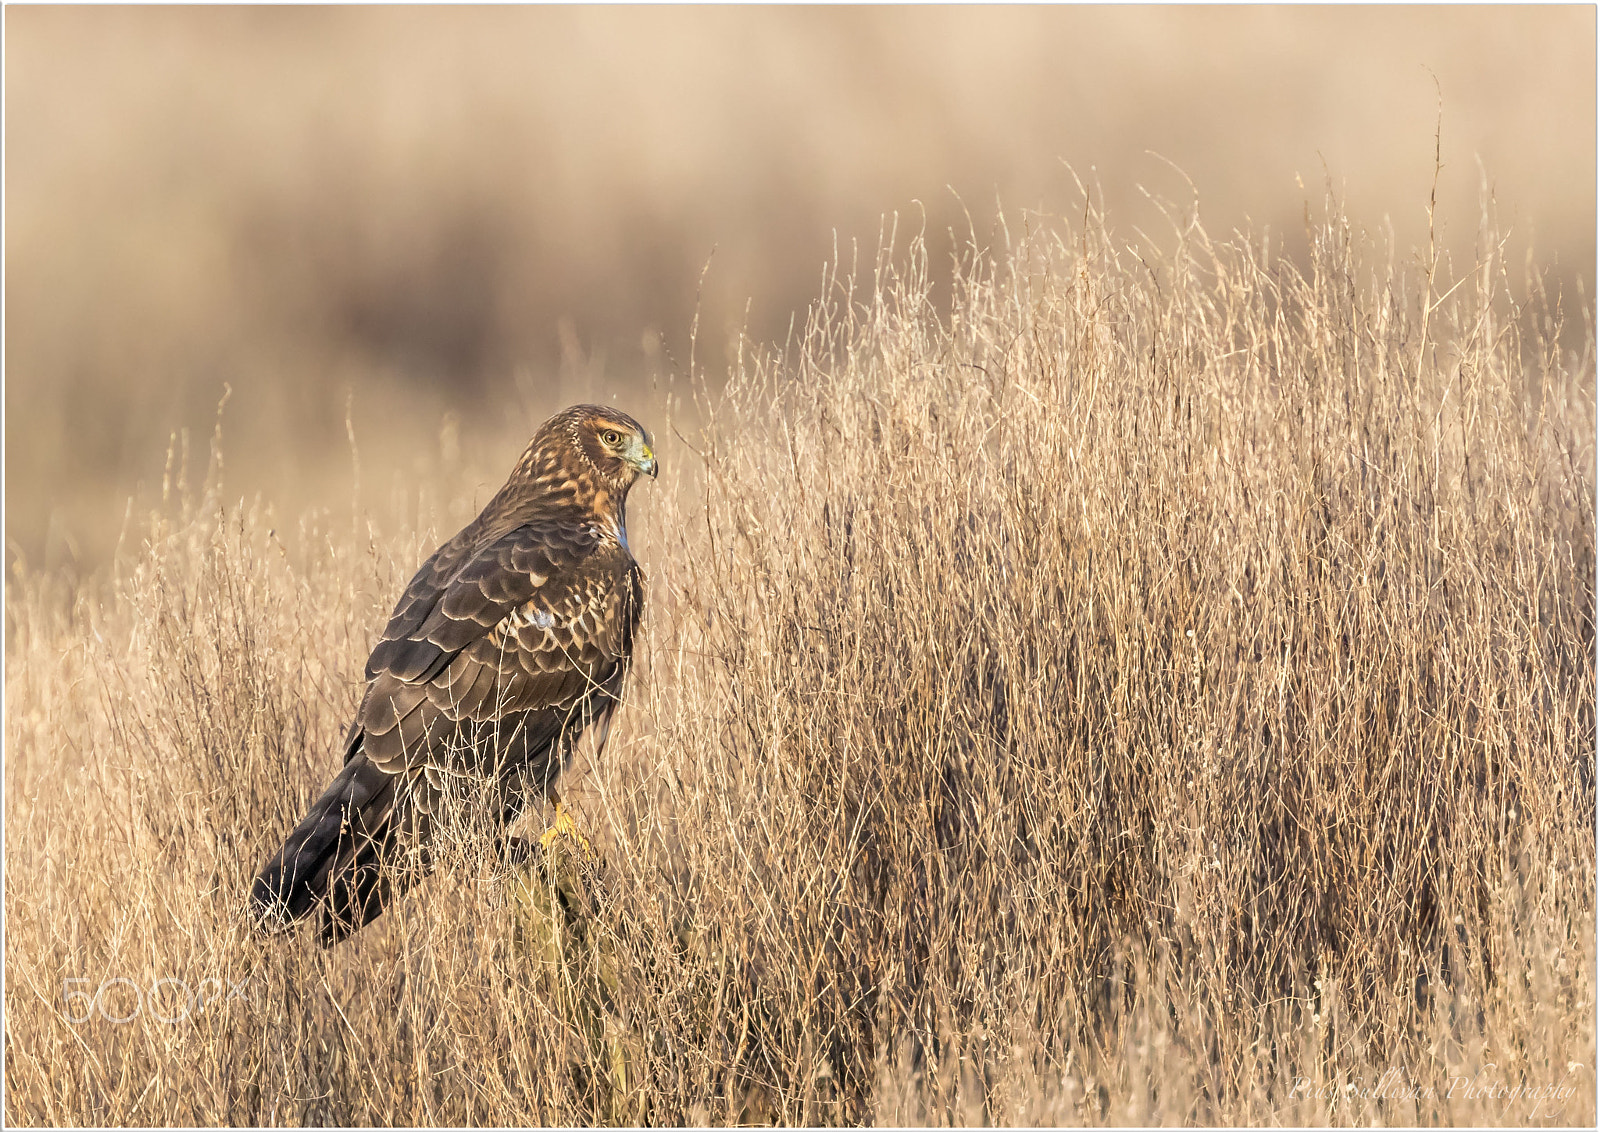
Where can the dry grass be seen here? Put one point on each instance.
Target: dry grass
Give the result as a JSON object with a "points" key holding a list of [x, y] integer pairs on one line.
{"points": [[1163, 677]]}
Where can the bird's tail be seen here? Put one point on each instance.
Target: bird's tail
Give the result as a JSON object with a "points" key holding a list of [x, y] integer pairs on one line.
{"points": [[340, 857]]}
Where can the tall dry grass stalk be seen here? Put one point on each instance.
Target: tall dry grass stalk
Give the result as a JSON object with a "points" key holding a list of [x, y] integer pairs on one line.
{"points": [[1157, 688]]}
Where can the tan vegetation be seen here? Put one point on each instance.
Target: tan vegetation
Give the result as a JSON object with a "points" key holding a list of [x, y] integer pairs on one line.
{"points": [[1156, 685]]}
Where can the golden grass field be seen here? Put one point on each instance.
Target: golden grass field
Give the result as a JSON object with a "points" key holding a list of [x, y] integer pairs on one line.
{"points": [[1152, 685]]}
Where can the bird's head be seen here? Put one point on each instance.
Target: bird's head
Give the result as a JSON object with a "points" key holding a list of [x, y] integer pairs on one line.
{"points": [[617, 446], [595, 439]]}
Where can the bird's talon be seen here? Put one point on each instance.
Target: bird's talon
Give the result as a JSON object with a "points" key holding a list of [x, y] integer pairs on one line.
{"points": [[563, 826]]}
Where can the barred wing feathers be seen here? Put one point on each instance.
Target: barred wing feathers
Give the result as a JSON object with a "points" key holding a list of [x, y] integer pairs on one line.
{"points": [[538, 625]]}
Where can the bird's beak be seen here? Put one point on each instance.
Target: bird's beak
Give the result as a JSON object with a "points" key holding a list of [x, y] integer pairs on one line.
{"points": [[647, 461]]}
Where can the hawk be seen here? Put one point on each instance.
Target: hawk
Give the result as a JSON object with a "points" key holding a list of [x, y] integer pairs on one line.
{"points": [[512, 641]]}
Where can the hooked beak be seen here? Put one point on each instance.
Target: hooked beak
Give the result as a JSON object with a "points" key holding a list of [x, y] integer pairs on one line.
{"points": [[647, 461]]}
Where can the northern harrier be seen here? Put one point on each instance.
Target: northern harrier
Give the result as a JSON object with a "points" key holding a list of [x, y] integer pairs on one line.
{"points": [[511, 641]]}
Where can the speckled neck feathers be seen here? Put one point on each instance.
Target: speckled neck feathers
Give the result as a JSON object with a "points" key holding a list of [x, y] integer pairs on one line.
{"points": [[558, 475]]}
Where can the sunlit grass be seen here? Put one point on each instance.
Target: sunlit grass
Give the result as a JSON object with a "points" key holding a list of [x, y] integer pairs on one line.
{"points": [[1157, 687]]}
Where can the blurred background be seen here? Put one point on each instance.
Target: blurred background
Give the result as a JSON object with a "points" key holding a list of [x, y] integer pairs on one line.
{"points": [[448, 222]]}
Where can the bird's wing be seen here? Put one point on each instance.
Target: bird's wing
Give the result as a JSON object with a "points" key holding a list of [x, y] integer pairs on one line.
{"points": [[482, 579], [531, 633]]}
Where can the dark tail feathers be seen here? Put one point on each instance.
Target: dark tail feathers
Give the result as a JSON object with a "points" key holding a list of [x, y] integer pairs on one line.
{"points": [[338, 858]]}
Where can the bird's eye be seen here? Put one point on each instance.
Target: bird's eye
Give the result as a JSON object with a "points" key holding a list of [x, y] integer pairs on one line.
{"points": [[612, 437]]}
